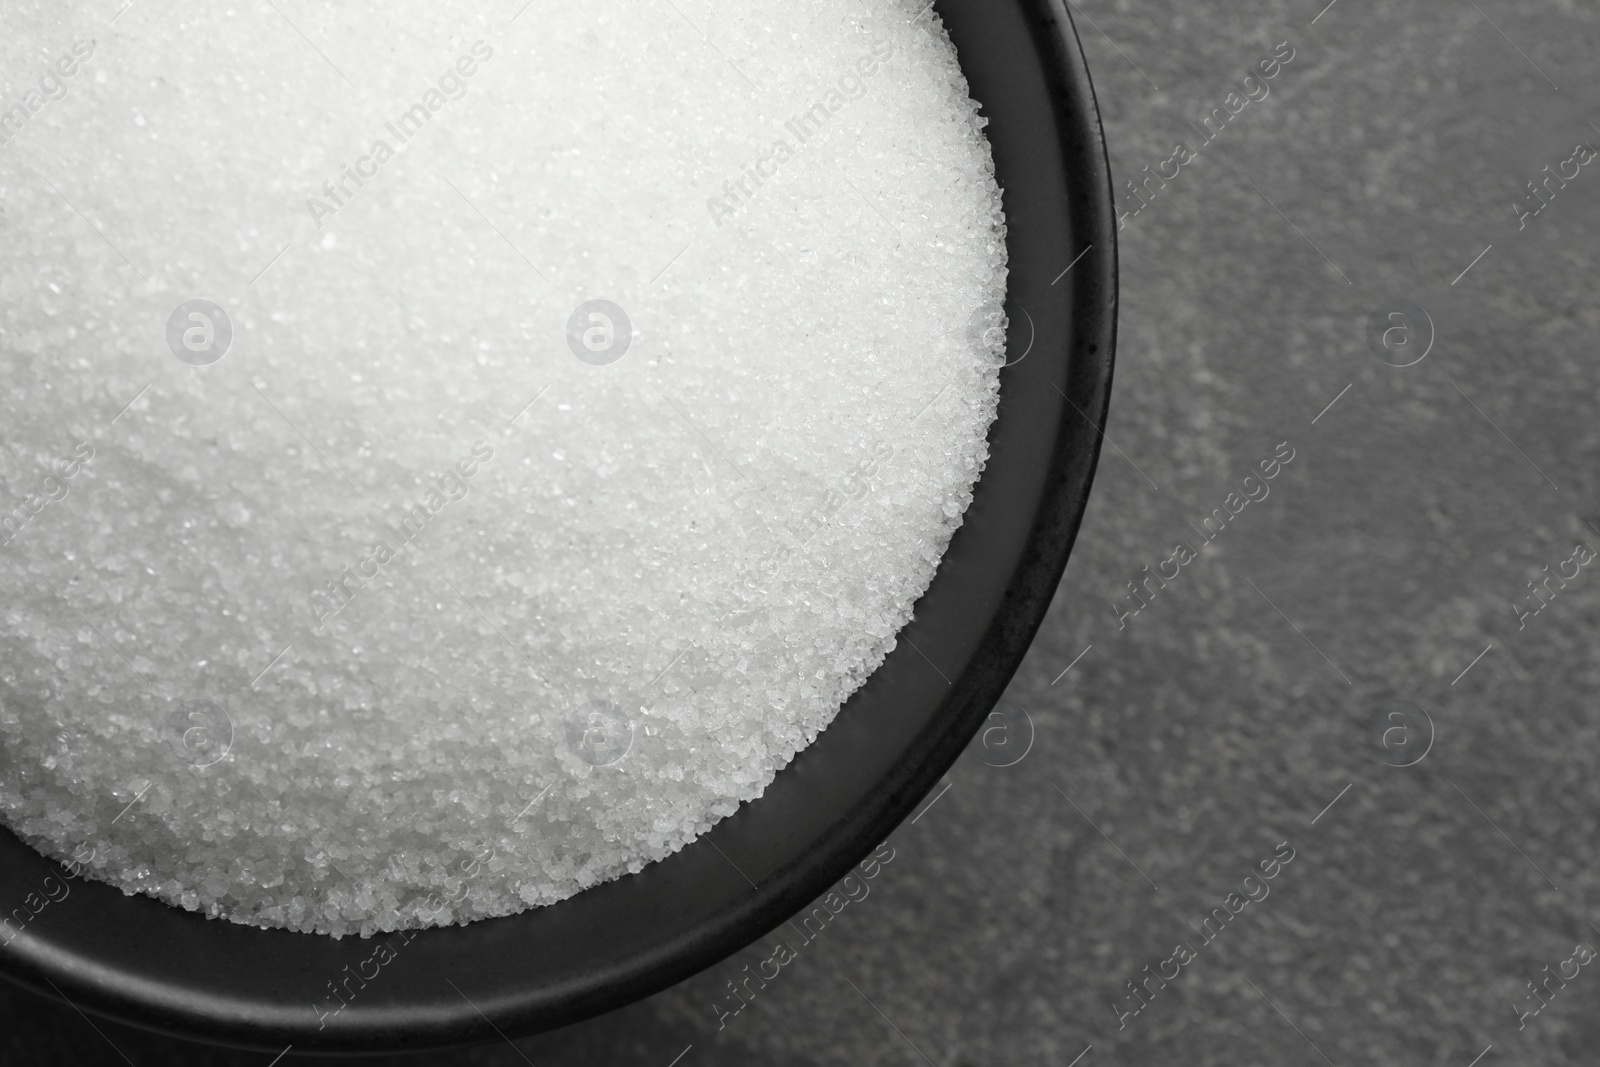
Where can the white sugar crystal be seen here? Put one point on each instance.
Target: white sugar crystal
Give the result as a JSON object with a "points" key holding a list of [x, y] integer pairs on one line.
{"points": [[357, 572]]}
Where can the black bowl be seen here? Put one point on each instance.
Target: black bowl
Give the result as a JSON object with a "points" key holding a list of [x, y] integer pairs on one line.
{"points": [[147, 963]]}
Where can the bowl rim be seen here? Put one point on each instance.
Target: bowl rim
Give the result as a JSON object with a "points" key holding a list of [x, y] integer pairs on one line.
{"points": [[60, 959]]}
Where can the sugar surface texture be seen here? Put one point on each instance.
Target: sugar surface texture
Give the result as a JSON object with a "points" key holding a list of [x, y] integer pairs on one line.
{"points": [[400, 613]]}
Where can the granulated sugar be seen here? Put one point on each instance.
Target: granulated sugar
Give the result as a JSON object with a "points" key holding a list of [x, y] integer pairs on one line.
{"points": [[451, 457]]}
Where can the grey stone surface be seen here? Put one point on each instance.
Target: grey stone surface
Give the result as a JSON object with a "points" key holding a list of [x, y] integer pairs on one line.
{"points": [[1181, 750]]}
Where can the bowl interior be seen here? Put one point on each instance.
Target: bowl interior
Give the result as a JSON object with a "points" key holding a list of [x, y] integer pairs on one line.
{"points": [[153, 965]]}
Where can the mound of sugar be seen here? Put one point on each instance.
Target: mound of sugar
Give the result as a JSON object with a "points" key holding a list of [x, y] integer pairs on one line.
{"points": [[449, 458]]}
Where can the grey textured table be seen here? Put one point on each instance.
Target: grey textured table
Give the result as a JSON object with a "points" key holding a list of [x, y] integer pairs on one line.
{"points": [[1194, 738]]}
